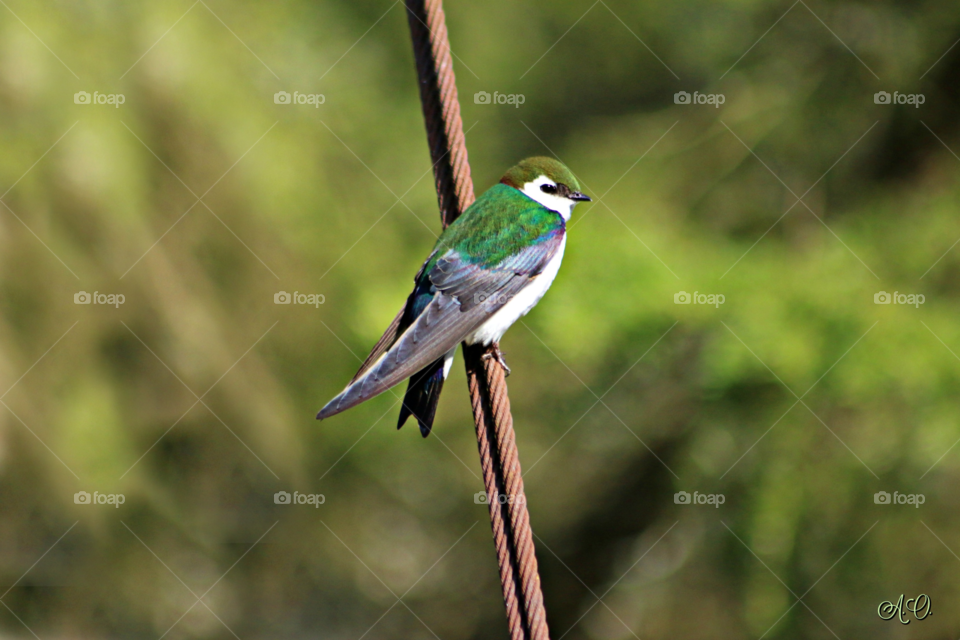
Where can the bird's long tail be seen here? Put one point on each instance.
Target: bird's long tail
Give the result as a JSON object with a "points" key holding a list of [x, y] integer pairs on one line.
{"points": [[423, 393]]}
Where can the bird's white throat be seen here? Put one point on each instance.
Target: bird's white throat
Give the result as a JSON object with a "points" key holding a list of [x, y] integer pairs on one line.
{"points": [[563, 206]]}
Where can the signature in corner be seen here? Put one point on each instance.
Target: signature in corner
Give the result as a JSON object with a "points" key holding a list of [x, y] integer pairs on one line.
{"points": [[921, 603]]}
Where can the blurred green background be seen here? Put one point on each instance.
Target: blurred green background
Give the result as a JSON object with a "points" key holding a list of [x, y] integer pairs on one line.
{"points": [[798, 398]]}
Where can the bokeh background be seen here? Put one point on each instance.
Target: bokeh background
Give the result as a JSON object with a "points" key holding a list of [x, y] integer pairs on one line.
{"points": [[199, 198]]}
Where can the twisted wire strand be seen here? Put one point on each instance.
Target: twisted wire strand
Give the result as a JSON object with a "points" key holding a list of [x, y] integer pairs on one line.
{"points": [[500, 522], [499, 459], [441, 108]]}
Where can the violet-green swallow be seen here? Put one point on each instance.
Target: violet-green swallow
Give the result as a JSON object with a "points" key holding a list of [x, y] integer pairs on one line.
{"points": [[487, 270]]}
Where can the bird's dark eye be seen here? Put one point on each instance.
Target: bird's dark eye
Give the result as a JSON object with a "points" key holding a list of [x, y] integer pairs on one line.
{"points": [[548, 188]]}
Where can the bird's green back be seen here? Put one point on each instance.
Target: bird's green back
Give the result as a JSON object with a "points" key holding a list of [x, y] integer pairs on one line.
{"points": [[501, 223]]}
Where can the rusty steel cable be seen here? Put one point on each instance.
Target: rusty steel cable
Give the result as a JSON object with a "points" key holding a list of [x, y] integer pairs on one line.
{"points": [[499, 459]]}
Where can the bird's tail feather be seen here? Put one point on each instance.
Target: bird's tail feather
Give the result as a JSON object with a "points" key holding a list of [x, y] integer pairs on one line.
{"points": [[423, 394]]}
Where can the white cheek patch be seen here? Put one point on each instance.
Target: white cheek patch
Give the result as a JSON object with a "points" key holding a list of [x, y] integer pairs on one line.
{"points": [[563, 206]]}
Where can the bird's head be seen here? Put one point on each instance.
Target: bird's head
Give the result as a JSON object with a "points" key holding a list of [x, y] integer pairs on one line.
{"points": [[547, 181]]}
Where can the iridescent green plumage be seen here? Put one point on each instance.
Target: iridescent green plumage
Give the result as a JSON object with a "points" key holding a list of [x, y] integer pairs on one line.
{"points": [[498, 225]]}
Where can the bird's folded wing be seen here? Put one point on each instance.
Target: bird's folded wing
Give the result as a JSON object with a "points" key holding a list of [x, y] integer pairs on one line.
{"points": [[385, 342], [404, 317], [467, 295]]}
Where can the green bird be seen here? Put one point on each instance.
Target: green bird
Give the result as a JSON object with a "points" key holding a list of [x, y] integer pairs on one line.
{"points": [[487, 270]]}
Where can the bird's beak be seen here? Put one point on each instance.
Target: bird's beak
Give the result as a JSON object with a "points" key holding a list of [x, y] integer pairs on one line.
{"points": [[576, 196]]}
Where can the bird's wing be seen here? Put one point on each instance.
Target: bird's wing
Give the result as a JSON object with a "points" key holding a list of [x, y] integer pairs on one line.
{"points": [[423, 291], [385, 342], [466, 295]]}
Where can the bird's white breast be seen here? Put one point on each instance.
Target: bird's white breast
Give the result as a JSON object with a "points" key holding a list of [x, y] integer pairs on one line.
{"points": [[528, 297]]}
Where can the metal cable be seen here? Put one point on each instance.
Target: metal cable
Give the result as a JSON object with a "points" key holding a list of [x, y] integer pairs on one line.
{"points": [[499, 459]]}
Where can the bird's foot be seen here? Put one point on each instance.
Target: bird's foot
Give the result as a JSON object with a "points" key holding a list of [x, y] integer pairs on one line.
{"points": [[498, 355]]}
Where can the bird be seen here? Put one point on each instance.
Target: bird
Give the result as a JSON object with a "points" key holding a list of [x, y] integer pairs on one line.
{"points": [[488, 269]]}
